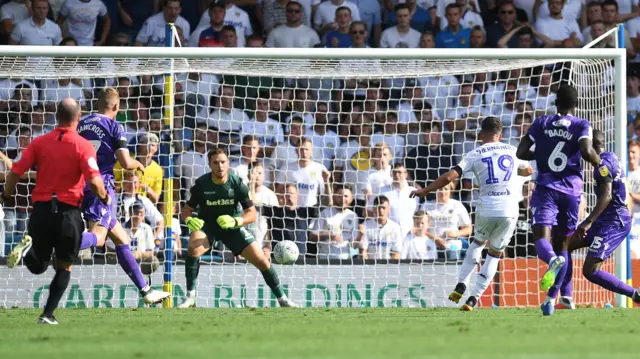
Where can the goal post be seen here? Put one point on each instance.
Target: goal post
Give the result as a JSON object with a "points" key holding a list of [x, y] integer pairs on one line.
{"points": [[421, 88]]}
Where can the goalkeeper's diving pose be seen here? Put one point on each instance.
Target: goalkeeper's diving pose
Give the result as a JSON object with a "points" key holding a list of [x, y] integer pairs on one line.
{"points": [[216, 196]]}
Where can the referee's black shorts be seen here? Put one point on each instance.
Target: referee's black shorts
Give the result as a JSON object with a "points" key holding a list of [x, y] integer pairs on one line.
{"points": [[61, 231]]}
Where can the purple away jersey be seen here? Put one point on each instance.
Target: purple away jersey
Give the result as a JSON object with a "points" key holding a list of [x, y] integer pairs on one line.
{"points": [[557, 152], [614, 224], [107, 136]]}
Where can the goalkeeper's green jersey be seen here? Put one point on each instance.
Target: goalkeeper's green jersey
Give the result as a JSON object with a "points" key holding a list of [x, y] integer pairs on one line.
{"points": [[212, 200]]}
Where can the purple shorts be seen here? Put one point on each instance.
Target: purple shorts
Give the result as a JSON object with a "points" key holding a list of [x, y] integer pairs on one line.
{"points": [[94, 210], [604, 237], [555, 209]]}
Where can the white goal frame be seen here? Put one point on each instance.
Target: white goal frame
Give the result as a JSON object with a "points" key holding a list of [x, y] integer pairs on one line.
{"points": [[616, 55]]}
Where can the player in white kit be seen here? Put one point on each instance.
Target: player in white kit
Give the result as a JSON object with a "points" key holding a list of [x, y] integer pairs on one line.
{"points": [[496, 169]]}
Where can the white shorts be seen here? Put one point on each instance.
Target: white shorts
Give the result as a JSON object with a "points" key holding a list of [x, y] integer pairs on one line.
{"points": [[497, 230]]}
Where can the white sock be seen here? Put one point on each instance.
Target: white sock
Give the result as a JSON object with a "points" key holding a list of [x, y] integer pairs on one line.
{"points": [[474, 252], [487, 272], [191, 293], [284, 297]]}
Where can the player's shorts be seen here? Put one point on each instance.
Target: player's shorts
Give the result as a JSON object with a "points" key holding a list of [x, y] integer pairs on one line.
{"points": [[94, 210], [236, 240], [604, 237], [498, 231], [552, 208], [61, 231]]}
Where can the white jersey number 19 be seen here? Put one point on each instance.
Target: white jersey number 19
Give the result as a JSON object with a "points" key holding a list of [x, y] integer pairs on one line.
{"points": [[504, 162]]}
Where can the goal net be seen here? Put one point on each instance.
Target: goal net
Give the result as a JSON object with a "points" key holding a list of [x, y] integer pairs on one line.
{"points": [[377, 122]]}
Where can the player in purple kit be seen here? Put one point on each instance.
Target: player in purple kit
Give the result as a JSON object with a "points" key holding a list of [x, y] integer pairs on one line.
{"points": [[607, 225], [560, 141], [108, 138]]}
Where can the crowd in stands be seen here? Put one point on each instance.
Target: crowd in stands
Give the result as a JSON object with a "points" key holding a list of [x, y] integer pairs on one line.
{"points": [[330, 162]]}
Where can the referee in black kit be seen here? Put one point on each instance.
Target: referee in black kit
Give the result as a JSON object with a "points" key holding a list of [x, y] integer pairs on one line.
{"points": [[63, 161]]}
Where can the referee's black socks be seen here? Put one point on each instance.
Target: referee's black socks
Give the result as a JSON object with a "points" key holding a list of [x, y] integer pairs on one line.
{"points": [[32, 262], [56, 289]]}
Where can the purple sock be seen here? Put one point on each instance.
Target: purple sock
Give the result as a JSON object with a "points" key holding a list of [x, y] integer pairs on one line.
{"points": [[88, 240], [610, 282], [545, 250], [553, 291], [128, 263], [566, 290]]}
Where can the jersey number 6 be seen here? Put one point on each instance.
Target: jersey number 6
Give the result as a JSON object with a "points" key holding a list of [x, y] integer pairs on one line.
{"points": [[557, 156]]}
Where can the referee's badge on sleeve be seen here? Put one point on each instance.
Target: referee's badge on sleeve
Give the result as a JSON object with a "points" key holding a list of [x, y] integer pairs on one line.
{"points": [[93, 164]]}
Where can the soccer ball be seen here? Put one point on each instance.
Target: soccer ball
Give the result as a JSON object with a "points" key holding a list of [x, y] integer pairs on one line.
{"points": [[286, 252]]}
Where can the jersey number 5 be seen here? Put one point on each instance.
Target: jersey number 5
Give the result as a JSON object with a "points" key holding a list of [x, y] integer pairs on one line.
{"points": [[505, 163], [557, 160]]}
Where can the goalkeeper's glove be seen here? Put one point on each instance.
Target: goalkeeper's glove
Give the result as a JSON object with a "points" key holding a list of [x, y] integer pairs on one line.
{"points": [[194, 224], [226, 222]]}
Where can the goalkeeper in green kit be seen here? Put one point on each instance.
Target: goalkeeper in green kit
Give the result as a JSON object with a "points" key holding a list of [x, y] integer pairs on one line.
{"points": [[215, 196]]}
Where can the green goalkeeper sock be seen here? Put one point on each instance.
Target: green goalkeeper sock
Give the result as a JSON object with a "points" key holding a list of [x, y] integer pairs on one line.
{"points": [[191, 270], [271, 278]]}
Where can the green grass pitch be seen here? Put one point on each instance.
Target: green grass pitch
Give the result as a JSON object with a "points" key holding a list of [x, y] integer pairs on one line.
{"points": [[321, 333]]}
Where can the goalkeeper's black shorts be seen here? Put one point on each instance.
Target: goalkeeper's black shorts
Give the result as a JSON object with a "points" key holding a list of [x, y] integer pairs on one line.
{"points": [[56, 225]]}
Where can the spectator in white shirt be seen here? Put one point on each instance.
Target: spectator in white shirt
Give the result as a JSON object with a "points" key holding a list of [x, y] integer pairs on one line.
{"points": [[294, 33], [78, 19], [261, 195], [401, 35], [63, 89], [451, 220], [268, 131], [591, 13], [191, 164], [322, 136], [12, 13], [337, 227], [389, 134], [633, 94], [353, 158], [324, 18], [227, 120], [142, 241], [379, 237], [563, 31], [287, 150], [249, 152], [633, 177], [36, 30], [153, 30], [311, 178], [130, 194], [235, 17], [610, 18], [402, 205], [36, 124], [420, 244], [571, 10], [380, 174]]}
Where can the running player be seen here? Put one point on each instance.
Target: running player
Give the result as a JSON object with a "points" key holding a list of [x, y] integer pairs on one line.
{"points": [[560, 141], [607, 225], [216, 196], [108, 138], [493, 164]]}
